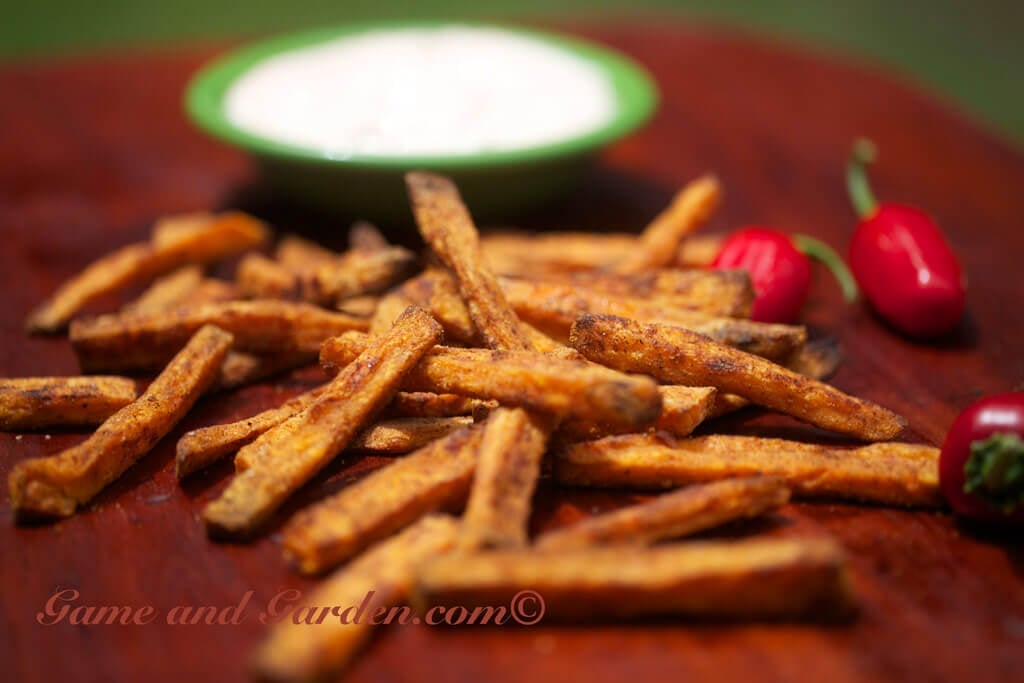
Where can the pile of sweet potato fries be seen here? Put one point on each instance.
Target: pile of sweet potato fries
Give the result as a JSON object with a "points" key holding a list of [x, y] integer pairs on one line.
{"points": [[481, 362]]}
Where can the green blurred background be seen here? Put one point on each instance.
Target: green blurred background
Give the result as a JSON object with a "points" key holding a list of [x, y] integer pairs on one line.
{"points": [[972, 51]]}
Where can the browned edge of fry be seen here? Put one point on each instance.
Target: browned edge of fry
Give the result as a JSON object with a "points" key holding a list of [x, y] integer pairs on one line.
{"points": [[28, 403]]}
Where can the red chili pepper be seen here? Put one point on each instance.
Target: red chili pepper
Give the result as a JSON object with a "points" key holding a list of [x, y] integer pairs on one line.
{"points": [[907, 270], [981, 469], [779, 269]]}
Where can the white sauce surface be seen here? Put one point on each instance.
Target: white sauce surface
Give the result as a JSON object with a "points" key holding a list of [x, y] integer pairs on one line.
{"points": [[443, 91]]}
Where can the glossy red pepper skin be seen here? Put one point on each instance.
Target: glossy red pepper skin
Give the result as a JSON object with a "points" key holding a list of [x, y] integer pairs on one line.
{"points": [[1002, 414], [779, 272], [907, 271]]}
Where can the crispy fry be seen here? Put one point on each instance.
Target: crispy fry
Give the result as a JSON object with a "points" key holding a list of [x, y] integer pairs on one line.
{"points": [[260, 278], [360, 306], [388, 309], [381, 578], [436, 291], [358, 272], [690, 209], [889, 473], [673, 515], [28, 403], [552, 253], [406, 434], [241, 369], [435, 477], [679, 356], [54, 486], [281, 460], [553, 308], [778, 578], [428, 404], [213, 238], [167, 291], [144, 340], [698, 251], [531, 380], [682, 409], [202, 447], [300, 255], [366, 236], [447, 227]]}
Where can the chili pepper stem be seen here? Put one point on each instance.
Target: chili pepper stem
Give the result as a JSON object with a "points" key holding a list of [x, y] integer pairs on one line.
{"points": [[857, 185], [995, 471], [820, 251]]}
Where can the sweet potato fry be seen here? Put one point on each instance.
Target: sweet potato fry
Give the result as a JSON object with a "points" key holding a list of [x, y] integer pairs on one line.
{"points": [[698, 251], [281, 460], [531, 380], [682, 409], [690, 209], [258, 277], [389, 307], [167, 291], [554, 307], [759, 579], [28, 403], [888, 473], [140, 341], [428, 404], [365, 236], [436, 291], [358, 272], [673, 515], [447, 227], [241, 368], [300, 255], [54, 486], [202, 447], [208, 239], [381, 578], [435, 477], [552, 253], [679, 356], [360, 306], [405, 434]]}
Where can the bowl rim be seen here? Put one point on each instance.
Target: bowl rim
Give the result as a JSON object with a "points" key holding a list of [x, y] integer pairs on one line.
{"points": [[634, 89]]}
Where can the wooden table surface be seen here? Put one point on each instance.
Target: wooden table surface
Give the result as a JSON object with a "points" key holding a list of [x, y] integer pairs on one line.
{"points": [[94, 149]]}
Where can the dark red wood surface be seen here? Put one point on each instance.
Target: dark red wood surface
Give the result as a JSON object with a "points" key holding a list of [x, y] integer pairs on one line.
{"points": [[94, 149]]}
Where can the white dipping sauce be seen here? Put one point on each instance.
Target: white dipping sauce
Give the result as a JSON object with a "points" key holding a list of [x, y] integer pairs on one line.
{"points": [[443, 91]]}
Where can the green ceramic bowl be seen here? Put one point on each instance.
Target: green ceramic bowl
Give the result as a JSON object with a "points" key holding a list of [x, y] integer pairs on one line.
{"points": [[494, 184]]}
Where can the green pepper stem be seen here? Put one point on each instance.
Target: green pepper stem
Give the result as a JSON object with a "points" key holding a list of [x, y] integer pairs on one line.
{"points": [[857, 185], [820, 251], [994, 471]]}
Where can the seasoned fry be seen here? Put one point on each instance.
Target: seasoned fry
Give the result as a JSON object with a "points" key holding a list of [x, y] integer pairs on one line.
{"points": [[553, 253], [427, 404], [208, 239], [436, 291], [699, 251], [140, 341], [359, 272], [300, 255], [28, 403], [405, 434], [202, 447], [360, 306], [365, 236], [381, 578], [679, 356], [758, 579], [690, 209], [280, 461], [260, 278], [542, 383], [388, 309], [682, 410], [447, 227], [241, 369], [889, 473], [435, 477], [167, 291], [54, 486], [673, 515]]}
